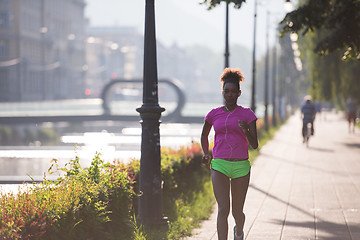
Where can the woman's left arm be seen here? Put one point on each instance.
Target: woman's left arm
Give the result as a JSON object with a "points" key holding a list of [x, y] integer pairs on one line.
{"points": [[250, 132]]}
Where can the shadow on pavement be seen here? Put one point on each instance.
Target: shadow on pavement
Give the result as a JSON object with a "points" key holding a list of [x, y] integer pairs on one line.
{"points": [[300, 164], [334, 231], [320, 149], [352, 145], [280, 200]]}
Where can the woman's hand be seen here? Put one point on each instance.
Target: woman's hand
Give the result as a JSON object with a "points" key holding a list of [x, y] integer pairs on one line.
{"points": [[250, 132], [205, 159], [244, 126]]}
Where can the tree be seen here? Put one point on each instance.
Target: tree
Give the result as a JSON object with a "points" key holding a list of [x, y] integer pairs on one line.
{"points": [[331, 78], [212, 3], [340, 19]]}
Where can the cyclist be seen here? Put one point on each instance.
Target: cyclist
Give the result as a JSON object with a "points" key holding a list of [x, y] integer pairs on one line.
{"points": [[308, 112]]}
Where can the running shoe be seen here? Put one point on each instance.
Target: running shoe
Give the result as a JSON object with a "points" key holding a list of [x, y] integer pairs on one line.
{"points": [[236, 237]]}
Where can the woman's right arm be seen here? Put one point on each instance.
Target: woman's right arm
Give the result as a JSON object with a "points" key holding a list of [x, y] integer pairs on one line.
{"points": [[205, 141]]}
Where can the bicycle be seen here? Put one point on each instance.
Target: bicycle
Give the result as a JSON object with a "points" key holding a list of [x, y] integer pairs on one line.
{"points": [[308, 134]]}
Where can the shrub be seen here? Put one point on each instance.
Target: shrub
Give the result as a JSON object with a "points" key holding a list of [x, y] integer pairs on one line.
{"points": [[48, 136], [9, 136], [79, 205], [99, 202], [23, 216]]}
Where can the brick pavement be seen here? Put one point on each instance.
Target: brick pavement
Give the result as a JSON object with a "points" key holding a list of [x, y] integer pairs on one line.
{"points": [[302, 193]]}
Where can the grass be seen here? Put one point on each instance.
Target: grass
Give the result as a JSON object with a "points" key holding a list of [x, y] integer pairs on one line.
{"points": [[193, 211]]}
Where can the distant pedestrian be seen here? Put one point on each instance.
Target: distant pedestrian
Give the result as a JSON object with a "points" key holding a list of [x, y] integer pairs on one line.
{"points": [[308, 112], [351, 114], [235, 127]]}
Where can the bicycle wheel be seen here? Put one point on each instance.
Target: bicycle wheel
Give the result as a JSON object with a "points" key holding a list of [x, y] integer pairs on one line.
{"points": [[308, 134]]}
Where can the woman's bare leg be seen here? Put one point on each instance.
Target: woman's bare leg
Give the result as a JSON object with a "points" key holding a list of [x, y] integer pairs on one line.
{"points": [[221, 186], [239, 187]]}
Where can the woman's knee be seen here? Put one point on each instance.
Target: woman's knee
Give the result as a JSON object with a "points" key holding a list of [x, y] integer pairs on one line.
{"points": [[223, 211], [238, 214]]}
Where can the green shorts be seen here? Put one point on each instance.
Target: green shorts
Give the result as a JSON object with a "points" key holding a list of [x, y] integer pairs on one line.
{"points": [[231, 169]]}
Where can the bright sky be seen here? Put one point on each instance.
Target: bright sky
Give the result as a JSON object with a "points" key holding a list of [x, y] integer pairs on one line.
{"points": [[186, 22]]}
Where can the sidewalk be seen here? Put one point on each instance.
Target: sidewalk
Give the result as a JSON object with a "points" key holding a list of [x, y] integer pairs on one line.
{"points": [[302, 193]]}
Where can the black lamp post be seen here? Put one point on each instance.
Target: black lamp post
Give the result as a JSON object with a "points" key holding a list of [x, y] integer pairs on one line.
{"points": [[43, 33], [253, 89], [150, 211], [282, 77], [227, 37], [266, 90], [288, 7], [274, 120]]}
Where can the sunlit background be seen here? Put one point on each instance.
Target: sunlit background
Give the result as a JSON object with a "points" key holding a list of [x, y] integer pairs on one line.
{"points": [[56, 58]]}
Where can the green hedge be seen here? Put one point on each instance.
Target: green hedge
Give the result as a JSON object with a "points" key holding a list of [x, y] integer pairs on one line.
{"points": [[11, 136], [99, 202]]}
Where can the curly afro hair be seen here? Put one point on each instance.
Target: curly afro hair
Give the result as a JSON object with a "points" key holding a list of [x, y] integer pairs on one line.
{"points": [[232, 75]]}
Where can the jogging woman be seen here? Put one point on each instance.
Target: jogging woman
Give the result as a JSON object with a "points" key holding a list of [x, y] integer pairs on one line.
{"points": [[235, 127]]}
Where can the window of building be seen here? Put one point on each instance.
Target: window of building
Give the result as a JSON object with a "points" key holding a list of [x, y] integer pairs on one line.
{"points": [[4, 89], [4, 47], [4, 19]]}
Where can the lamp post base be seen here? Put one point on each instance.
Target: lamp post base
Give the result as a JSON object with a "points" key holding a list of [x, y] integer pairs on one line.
{"points": [[150, 209]]}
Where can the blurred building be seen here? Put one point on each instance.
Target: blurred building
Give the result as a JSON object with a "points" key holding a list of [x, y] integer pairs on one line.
{"points": [[117, 52], [42, 50], [112, 52]]}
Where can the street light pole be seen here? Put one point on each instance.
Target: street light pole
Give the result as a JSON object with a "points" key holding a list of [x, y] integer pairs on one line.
{"points": [[253, 89], [274, 120], [288, 6], [266, 90], [43, 31], [227, 37], [150, 210], [282, 81]]}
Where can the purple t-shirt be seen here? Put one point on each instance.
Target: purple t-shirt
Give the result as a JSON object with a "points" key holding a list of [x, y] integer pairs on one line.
{"points": [[230, 140]]}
